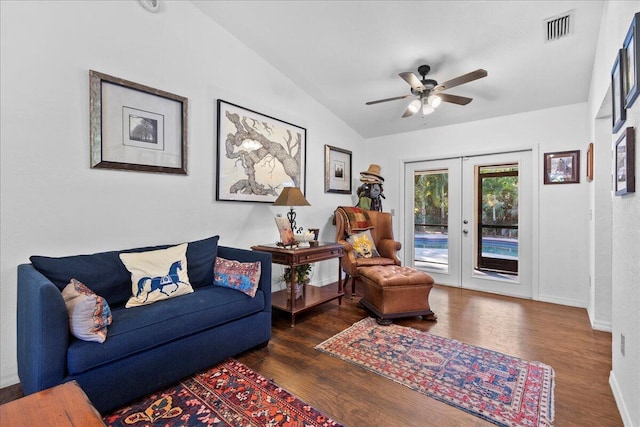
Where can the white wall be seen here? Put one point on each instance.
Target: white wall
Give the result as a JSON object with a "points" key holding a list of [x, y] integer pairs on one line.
{"points": [[625, 236], [564, 209], [52, 203]]}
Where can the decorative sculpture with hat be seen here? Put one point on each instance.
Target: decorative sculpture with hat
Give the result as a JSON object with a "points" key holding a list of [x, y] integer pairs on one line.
{"points": [[370, 192]]}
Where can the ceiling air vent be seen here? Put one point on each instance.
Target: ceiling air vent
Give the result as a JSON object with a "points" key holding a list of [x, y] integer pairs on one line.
{"points": [[559, 26]]}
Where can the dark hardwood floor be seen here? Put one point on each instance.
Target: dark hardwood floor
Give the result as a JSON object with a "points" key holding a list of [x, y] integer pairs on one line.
{"points": [[556, 335]]}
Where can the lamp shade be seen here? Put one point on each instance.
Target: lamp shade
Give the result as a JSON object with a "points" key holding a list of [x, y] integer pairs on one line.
{"points": [[291, 196]]}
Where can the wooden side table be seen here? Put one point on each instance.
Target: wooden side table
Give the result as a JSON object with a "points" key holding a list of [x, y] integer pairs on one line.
{"points": [[312, 296], [63, 405]]}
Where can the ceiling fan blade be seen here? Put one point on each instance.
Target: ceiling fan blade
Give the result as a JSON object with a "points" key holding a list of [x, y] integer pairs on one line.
{"points": [[387, 99], [413, 81], [455, 99], [465, 78]]}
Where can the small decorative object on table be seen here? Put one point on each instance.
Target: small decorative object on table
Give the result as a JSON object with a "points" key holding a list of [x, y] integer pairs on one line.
{"points": [[304, 239], [286, 234], [316, 233]]}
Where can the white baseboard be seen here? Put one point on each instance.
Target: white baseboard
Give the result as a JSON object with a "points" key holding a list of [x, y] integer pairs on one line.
{"points": [[617, 395], [599, 325], [562, 301], [9, 378]]}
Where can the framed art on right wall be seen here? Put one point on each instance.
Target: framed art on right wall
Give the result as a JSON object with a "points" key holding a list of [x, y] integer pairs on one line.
{"points": [[631, 54], [625, 179], [618, 112]]}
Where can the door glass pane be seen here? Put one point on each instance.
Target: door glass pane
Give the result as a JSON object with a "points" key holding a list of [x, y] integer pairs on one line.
{"points": [[498, 218], [431, 219]]}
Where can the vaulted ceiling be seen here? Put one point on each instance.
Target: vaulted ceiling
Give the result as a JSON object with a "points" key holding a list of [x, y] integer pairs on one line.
{"points": [[345, 53]]}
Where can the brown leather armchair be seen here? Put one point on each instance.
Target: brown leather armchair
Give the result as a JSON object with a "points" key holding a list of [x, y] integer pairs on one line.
{"points": [[382, 233]]}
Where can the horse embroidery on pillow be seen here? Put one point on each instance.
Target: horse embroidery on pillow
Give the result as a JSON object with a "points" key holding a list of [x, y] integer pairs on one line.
{"points": [[158, 283]]}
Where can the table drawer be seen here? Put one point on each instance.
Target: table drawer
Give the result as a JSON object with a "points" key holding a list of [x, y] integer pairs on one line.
{"points": [[309, 257]]}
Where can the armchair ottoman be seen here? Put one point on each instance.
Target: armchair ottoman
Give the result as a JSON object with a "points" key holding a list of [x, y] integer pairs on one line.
{"points": [[394, 291]]}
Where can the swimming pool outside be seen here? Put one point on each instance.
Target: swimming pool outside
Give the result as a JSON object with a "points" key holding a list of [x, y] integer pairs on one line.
{"points": [[432, 247]]}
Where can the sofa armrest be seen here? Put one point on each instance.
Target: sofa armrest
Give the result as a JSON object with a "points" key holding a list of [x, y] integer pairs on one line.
{"points": [[43, 331], [245, 255], [389, 248]]}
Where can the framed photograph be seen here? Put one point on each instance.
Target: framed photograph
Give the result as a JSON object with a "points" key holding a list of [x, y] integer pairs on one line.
{"points": [[632, 72], [618, 112], [136, 127], [562, 167], [625, 179], [337, 170], [258, 155], [590, 162]]}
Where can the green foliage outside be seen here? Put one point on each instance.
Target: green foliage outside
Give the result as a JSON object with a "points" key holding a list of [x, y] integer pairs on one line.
{"points": [[499, 201]]}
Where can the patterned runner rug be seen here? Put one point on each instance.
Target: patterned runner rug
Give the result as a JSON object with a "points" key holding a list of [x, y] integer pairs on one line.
{"points": [[501, 389], [230, 394]]}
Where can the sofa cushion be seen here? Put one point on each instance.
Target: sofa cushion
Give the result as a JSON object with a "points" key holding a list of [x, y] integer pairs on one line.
{"points": [[89, 314], [105, 274], [139, 329], [201, 256], [241, 276]]}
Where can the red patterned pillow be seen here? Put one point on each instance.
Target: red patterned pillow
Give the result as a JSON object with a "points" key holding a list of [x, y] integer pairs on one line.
{"points": [[242, 276]]}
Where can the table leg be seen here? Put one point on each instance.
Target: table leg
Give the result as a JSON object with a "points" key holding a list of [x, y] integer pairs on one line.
{"points": [[340, 283]]}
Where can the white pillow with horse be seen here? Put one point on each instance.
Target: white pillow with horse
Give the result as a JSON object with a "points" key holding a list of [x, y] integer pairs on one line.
{"points": [[157, 275]]}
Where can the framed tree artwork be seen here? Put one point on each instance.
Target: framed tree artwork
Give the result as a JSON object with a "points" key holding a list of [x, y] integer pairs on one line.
{"points": [[625, 165], [258, 155], [337, 170]]}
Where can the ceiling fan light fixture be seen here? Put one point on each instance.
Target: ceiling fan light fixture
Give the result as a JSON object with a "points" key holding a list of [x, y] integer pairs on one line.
{"points": [[427, 108], [414, 106], [434, 101]]}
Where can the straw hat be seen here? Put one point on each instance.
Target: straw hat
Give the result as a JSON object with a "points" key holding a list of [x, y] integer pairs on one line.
{"points": [[372, 174]]}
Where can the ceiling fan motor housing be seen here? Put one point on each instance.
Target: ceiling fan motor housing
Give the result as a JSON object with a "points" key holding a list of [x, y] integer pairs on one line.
{"points": [[423, 70]]}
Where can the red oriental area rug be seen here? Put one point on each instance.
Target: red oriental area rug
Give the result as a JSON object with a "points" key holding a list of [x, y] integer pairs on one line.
{"points": [[230, 394], [501, 389]]}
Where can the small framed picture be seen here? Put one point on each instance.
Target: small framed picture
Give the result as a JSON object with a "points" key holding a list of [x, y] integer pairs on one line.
{"points": [[631, 54], [337, 170], [562, 167], [590, 162], [625, 179], [618, 112], [135, 127]]}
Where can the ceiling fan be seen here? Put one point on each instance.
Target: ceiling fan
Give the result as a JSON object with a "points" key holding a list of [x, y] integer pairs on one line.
{"points": [[429, 92]]}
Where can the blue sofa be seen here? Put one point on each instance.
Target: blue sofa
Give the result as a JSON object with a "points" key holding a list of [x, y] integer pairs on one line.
{"points": [[147, 347]]}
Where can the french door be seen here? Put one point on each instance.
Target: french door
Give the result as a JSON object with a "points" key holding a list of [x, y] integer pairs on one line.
{"points": [[468, 221]]}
